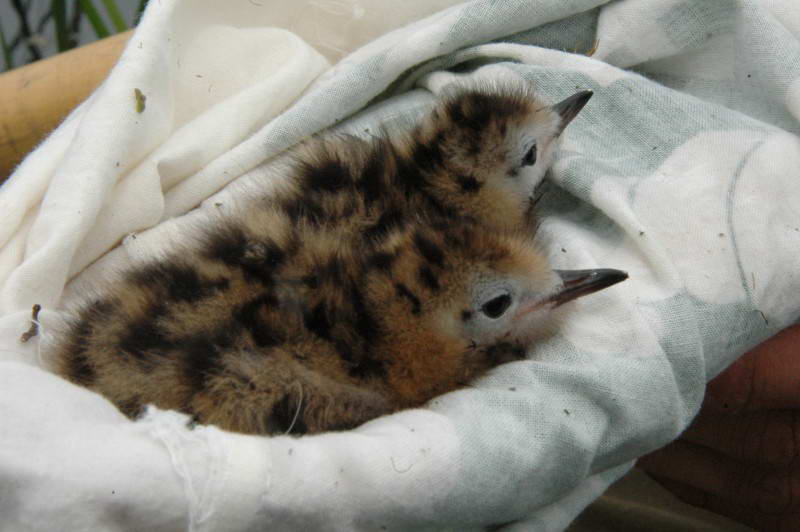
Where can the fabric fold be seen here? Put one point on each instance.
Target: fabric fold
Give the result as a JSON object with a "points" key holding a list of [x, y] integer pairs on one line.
{"points": [[681, 171]]}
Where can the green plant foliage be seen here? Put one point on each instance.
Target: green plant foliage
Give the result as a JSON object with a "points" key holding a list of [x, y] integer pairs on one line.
{"points": [[43, 27]]}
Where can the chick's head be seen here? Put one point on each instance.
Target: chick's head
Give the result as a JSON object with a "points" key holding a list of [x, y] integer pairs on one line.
{"points": [[496, 144], [460, 300]]}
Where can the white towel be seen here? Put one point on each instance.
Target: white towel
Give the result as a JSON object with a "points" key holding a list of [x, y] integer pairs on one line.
{"points": [[682, 170]]}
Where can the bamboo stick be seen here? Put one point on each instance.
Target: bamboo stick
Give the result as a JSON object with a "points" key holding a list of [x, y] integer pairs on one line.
{"points": [[35, 98]]}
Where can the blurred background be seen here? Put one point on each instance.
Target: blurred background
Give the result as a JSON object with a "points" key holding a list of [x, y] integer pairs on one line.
{"points": [[34, 29], [53, 54]]}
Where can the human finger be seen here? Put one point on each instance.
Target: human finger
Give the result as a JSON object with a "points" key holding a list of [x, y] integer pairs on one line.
{"points": [[731, 509], [769, 491], [766, 377], [770, 437]]}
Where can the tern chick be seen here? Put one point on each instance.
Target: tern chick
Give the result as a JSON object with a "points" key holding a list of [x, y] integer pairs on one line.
{"points": [[378, 275]]}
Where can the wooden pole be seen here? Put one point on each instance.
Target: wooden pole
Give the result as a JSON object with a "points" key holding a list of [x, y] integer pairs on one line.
{"points": [[35, 98]]}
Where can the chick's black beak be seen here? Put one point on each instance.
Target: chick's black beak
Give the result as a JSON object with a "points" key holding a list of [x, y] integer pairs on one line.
{"points": [[577, 283], [570, 107]]}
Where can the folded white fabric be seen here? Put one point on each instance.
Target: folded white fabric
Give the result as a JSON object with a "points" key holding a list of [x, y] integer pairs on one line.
{"points": [[684, 174]]}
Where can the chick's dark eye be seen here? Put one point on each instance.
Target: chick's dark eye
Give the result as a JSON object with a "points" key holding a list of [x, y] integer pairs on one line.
{"points": [[496, 307], [530, 157]]}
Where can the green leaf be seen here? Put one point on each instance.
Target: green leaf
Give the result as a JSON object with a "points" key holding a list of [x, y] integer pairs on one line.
{"points": [[139, 11], [95, 19], [115, 15], [6, 50], [59, 8]]}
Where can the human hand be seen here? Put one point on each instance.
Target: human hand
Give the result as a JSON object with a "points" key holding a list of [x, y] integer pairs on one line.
{"points": [[739, 458]]}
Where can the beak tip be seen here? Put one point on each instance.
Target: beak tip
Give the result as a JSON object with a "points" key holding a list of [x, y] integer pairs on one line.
{"points": [[618, 276], [571, 106], [606, 277], [577, 283]]}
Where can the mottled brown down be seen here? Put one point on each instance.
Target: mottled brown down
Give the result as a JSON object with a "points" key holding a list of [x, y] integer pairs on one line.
{"points": [[339, 297]]}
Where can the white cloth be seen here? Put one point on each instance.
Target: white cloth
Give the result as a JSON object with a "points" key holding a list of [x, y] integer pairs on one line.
{"points": [[685, 174]]}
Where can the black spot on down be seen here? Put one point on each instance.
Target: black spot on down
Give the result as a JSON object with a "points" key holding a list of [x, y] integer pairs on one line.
{"points": [[429, 251], [78, 366], [372, 181], [403, 291], [317, 321], [468, 183], [366, 326], [249, 317], [182, 283], [307, 209], [428, 278], [79, 369], [227, 245], [144, 336], [365, 323], [202, 358], [389, 220], [382, 260], [231, 246], [328, 176]]}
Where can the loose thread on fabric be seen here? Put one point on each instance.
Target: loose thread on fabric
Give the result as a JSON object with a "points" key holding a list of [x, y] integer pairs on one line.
{"points": [[297, 412], [172, 433]]}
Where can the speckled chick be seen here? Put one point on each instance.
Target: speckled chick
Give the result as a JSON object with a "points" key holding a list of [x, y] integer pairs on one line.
{"points": [[378, 275], [481, 152]]}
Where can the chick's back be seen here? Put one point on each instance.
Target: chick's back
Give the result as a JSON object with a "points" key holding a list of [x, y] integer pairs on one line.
{"points": [[296, 313]]}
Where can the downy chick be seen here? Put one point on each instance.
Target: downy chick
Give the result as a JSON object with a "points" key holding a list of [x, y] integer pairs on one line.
{"points": [[483, 150], [379, 275]]}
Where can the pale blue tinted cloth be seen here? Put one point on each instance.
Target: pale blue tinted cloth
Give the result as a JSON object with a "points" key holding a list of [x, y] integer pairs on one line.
{"points": [[683, 169]]}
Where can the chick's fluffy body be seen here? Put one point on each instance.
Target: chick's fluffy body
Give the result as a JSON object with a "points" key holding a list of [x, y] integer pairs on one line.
{"points": [[332, 300]]}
